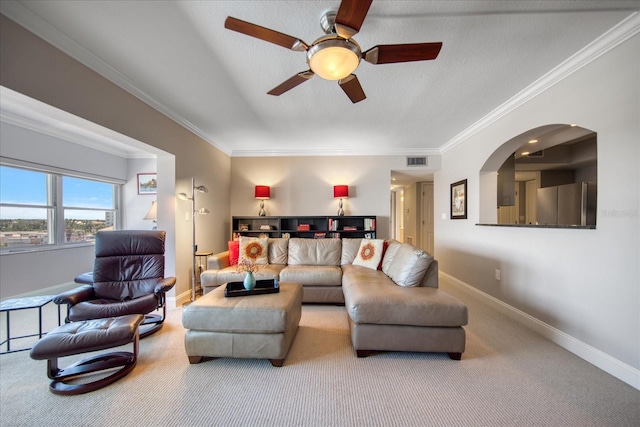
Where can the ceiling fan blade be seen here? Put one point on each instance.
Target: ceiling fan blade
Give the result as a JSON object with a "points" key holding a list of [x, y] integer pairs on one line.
{"points": [[291, 83], [265, 34], [390, 53], [351, 86], [350, 16]]}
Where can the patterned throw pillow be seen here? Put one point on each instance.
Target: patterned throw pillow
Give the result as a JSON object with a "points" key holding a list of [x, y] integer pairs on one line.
{"points": [[370, 253], [254, 249], [234, 252]]}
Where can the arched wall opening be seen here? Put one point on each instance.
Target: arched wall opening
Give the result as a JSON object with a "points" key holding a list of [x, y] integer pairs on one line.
{"points": [[546, 176]]}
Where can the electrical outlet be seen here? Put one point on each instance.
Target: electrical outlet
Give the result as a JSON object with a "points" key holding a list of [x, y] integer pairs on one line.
{"points": [[444, 215], [497, 274], [186, 216]]}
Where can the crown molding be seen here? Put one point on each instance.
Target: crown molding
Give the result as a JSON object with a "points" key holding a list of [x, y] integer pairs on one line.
{"points": [[617, 35], [25, 112], [329, 153]]}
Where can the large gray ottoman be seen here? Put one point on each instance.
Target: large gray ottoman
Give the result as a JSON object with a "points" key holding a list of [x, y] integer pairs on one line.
{"points": [[252, 326]]}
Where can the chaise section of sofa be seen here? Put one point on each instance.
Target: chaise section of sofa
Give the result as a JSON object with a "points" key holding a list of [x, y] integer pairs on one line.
{"points": [[409, 315]]}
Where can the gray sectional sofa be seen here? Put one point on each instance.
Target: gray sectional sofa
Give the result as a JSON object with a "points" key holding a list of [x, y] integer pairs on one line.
{"points": [[396, 308]]}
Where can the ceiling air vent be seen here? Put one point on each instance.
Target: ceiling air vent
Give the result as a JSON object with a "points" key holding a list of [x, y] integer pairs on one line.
{"points": [[417, 161]]}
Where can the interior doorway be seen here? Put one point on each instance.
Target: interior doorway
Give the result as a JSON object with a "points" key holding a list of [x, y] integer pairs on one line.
{"points": [[397, 218], [427, 217]]}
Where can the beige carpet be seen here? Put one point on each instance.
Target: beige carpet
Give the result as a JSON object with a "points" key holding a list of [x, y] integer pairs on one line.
{"points": [[509, 376]]}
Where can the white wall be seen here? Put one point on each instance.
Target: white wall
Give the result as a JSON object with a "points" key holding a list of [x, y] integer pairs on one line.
{"points": [[582, 283], [137, 205], [304, 185]]}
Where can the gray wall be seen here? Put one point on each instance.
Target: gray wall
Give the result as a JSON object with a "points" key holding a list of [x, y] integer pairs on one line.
{"points": [[36, 69], [582, 283]]}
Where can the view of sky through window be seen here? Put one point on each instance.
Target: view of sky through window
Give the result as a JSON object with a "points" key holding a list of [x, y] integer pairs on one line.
{"points": [[22, 186]]}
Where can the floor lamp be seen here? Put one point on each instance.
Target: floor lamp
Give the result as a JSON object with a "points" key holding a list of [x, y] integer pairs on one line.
{"points": [[202, 211]]}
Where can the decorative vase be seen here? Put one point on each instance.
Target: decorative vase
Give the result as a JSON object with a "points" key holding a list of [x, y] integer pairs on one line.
{"points": [[249, 281]]}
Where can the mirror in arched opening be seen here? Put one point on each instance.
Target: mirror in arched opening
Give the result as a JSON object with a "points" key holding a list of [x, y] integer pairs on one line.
{"points": [[546, 176]]}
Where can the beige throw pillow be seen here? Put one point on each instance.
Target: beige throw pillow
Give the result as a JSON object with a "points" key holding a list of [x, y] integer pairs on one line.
{"points": [[369, 253], [254, 249]]}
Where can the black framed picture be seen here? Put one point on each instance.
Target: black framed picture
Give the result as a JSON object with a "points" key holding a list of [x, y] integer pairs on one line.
{"points": [[459, 200]]}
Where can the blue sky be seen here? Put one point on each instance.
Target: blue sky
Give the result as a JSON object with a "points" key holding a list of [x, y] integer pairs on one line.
{"points": [[29, 187]]}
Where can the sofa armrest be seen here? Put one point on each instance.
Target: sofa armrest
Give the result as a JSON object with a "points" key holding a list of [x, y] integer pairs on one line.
{"points": [[74, 296], [218, 261], [430, 279]]}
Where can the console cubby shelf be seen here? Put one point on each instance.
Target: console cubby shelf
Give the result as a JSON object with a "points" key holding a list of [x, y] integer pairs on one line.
{"points": [[296, 226]]}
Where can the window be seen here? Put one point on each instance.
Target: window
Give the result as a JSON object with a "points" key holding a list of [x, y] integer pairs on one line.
{"points": [[45, 209]]}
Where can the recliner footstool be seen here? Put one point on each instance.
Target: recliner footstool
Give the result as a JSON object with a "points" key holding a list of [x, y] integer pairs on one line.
{"points": [[83, 337], [253, 327]]}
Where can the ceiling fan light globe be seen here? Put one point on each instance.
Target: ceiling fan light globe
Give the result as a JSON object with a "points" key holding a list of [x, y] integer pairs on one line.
{"points": [[333, 59]]}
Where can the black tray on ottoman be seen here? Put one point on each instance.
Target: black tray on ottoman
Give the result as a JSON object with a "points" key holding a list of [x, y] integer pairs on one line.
{"points": [[236, 289]]}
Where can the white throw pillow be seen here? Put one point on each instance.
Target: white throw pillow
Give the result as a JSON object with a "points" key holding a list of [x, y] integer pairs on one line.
{"points": [[409, 265], [254, 249], [369, 253]]}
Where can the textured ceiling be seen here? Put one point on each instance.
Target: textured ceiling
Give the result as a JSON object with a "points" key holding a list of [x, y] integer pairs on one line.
{"points": [[178, 57]]}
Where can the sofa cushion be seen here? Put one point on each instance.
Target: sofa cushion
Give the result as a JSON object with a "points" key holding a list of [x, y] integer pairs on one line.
{"points": [[409, 265], [349, 250], [316, 275], [369, 253], [314, 251], [234, 252], [254, 249], [278, 251], [371, 297]]}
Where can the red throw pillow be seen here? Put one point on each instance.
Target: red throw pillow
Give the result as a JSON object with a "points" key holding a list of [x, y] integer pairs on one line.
{"points": [[234, 252], [385, 245]]}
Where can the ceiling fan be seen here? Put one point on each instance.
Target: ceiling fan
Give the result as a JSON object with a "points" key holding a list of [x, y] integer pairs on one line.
{"points": [[335, 56]]}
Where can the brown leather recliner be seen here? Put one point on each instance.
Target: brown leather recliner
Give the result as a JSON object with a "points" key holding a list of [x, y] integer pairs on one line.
{"points": [[128, 278]]}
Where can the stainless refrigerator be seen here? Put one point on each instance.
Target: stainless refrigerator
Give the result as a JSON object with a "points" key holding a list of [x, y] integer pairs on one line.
{"points": [[569, 204]]}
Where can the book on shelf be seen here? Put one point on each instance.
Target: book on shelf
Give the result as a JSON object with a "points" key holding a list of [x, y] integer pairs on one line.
{"points": [[304, 227], [319, 235], [369, 223], [350, 228]]}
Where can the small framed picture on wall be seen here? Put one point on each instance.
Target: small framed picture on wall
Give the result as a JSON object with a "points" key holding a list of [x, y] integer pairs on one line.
{"points": [[459, 200], [147, 183]]}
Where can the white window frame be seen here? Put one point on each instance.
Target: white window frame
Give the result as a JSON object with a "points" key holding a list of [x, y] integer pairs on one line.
{"points": [[56, 208]]}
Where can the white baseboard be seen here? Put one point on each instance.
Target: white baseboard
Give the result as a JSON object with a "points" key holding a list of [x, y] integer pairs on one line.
{"points": [[178, 300], [598, 358]]}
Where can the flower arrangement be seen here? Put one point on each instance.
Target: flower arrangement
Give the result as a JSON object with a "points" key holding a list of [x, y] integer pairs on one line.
{"points": [[246, 265]]}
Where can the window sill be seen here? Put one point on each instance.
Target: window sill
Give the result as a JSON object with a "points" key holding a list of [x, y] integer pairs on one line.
{"points": [[18, 251]]}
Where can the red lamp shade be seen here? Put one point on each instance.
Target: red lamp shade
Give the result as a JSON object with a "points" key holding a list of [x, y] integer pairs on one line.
{"points": [[263, 192], [340, 191]]}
